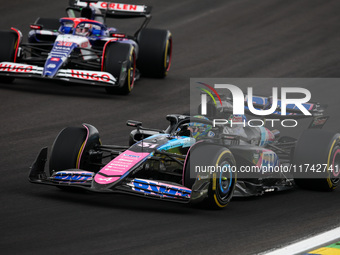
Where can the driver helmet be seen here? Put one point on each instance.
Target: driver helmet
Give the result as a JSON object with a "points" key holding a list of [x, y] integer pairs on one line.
{"points": [[83, 29], [199, 130], [66, 27], [237, 118], [236, 124]]}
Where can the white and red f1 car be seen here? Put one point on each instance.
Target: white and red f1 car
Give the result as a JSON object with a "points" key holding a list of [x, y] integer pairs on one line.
{"points": [[80, 48]]}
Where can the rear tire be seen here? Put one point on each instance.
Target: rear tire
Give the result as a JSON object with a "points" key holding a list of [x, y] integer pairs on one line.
{"points": [[117, 55], [222, 183], [315, 147], [8, 45], [155, 51]]}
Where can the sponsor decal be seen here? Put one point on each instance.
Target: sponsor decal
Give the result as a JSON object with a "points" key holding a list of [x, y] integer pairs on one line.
{"points": [[211, 134], [183, 142], [51, 66], [105, 179], [68, 42], [84, 45], [121, 7], [115, 6], [88, 75], [16, 68], [147, 145], [132, 156], [60, 49], [72, 176], [63, 43], [120, 166], [125, 160], [269, 158], [80, 74], [159, 189]]}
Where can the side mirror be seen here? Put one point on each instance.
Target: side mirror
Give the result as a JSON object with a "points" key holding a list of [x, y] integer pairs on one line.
{"points": [[134, 123], [70, 13], [36, 26], [117, 35]]}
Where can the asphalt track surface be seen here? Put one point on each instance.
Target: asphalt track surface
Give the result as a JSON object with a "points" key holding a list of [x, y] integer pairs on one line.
{"points": [[220, 38]]}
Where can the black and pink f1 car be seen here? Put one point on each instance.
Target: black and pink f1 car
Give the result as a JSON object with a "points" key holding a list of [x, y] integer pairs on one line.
{"points": [[80, 48], [173, 164]]}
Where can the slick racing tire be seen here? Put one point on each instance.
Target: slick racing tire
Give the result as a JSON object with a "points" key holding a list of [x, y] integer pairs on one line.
{"points": [[120, 61], [221, 183], [70, 150], [155, 51], [317, 160], [8, 44]]}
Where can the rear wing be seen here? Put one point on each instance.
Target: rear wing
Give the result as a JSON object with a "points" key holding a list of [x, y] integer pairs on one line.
{"points": [[114, 10], [99, 10]]}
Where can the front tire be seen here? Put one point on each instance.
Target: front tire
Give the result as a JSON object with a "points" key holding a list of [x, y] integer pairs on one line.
{"points": [[317, 147], [71, 149], [222, 183], [120, 61], [8, 44], [67, 148]]}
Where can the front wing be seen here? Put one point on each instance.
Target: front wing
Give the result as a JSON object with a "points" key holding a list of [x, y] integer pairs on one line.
{"points": [[77, 178], [97, 78]]}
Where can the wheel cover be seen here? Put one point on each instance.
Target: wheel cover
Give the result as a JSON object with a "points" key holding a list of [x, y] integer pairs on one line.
{"points": [[223, 186], [225, 180]]}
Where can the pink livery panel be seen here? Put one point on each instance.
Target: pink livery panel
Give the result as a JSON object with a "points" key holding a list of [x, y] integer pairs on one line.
{"points": [[119, 166]]}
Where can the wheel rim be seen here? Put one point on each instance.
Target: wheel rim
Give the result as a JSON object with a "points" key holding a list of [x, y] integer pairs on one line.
{"points": [[335, 167], [225, 180]]}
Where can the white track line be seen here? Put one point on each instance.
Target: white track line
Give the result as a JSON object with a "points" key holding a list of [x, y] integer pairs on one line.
{"points": [[307, 244]]}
